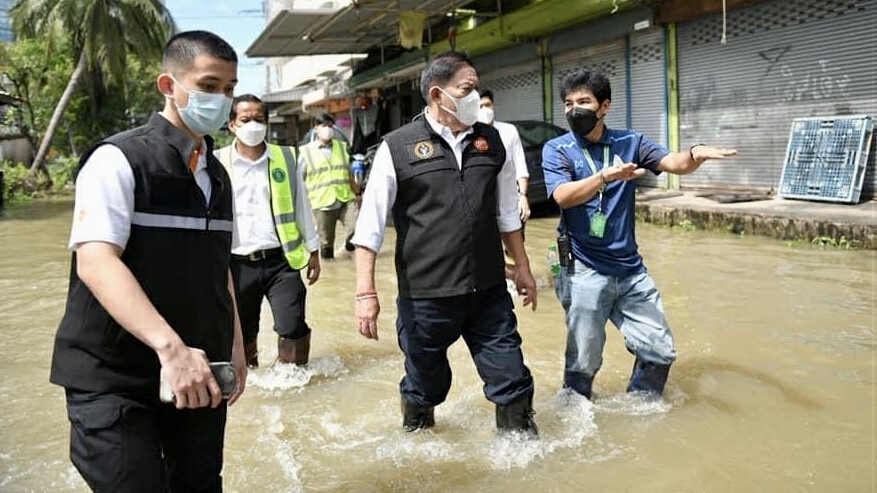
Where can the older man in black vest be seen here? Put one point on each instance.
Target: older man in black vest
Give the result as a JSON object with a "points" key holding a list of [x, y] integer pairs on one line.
{"points": [[453, 197]]}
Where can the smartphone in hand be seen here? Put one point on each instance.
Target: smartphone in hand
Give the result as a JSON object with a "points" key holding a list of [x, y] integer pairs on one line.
{"points": [[224, 374]]}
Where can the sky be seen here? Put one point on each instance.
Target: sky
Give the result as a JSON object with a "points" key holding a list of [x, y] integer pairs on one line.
{"points": [[237, 21]]}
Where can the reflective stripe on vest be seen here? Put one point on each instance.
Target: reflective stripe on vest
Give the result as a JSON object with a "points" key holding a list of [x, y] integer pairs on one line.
{"points": [[179, 222], [327, 180], [282, 178]]}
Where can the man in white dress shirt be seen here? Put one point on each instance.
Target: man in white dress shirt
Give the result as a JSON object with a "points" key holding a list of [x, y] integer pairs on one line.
{"points": [[513, 148], [452, 193], [274, 234]]}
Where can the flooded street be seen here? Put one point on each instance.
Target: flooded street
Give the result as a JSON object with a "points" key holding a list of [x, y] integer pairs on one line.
{"points": [[774, 388]]}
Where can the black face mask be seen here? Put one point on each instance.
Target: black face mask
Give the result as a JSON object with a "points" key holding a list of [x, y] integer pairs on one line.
{"points": [[582, 120]]}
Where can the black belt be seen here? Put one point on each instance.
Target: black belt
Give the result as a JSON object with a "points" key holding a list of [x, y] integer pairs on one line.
{"points": [[260, 255]]}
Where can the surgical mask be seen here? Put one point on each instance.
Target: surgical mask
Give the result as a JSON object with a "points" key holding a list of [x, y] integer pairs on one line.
{"points": [[582, 120], [205, 112], [467, 107], [251, 133], [486, 115], [325, 133]]}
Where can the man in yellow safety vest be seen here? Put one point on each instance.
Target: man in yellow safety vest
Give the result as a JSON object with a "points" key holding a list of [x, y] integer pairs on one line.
{"points": [[324, 166], [274, 235]]}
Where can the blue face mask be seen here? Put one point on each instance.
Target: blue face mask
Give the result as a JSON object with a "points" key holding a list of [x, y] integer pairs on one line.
{"points": [[205, 112]]}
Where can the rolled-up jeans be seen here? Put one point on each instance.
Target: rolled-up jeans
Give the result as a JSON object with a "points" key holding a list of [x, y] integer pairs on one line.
{"points": [[632, 303]]}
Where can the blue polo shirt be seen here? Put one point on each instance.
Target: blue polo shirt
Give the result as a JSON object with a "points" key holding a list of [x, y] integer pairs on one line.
{"points": [[563, 161]]}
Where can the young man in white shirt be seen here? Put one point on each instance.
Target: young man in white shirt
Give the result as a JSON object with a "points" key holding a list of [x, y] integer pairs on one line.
{"points": [[513, 147], [150, 292], [274, 234]]}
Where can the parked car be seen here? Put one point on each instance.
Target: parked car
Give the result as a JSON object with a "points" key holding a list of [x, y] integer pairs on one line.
{"points": [[534, 134]]}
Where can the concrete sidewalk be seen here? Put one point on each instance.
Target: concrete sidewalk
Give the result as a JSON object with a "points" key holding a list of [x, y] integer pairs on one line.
{"points": [[844, 225]]}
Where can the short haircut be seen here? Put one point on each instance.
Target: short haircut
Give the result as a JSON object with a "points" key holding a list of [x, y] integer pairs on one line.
{"points": [[324, 119], [441, 70], [244, 98], [182, 49], [487, 93], [593, 80]]}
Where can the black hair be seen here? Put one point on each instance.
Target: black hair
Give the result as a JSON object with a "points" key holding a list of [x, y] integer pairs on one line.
{"points": [[441, 70], [182, 49], [487, 93], [594, 80], [244, 98], [324, 119]]}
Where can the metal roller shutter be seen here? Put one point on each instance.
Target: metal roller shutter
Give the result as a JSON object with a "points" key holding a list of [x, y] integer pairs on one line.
{"points": [[648, 95], [517, 91], [607, 56], [783, 59]]}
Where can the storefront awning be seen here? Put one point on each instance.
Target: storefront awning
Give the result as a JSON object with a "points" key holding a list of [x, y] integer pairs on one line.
{"points": [[285, 96], [352, 29], [400, 69]]}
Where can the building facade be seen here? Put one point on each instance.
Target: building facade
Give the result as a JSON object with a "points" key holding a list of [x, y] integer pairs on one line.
{"points": [[682, 72]]}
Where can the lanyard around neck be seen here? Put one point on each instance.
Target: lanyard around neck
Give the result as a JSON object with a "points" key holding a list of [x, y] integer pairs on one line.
{"points": [[590, 160]]}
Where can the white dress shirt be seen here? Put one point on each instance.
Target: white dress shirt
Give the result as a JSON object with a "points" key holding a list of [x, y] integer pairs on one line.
{"points": [[380, 194], [511, 139], [254, 227], [104, 202]]}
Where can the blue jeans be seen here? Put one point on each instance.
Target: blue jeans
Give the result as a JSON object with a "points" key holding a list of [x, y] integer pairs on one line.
{"points": [[486, 321], [633, 304]]}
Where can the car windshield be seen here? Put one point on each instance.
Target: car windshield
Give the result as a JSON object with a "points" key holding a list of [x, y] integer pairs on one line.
{"points": [[535, 133]]}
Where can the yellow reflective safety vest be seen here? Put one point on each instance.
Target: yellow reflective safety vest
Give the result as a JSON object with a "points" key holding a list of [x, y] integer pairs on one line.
{"points": [[282, 178], [327, 180]]}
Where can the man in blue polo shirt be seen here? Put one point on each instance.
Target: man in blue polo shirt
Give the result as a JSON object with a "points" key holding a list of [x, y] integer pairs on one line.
{"points": [[591, 172]]}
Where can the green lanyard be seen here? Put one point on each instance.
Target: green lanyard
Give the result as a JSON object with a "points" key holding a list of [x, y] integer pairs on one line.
{"points": [[593, 167]]}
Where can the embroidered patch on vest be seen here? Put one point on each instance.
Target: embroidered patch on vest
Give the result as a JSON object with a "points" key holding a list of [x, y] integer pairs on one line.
{"points": [[481, 144], [278, 175], [424, 149]]}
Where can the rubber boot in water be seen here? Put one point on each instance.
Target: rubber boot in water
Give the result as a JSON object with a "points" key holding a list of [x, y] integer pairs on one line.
{"points": [[327, 253], [648, 378], [416, 417], [517, 417], [295, 351], [251, 354], [581, 383]]}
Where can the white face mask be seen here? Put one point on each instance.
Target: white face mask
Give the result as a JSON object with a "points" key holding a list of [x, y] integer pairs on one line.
{"points": [[467, 107], [486, 115], [325, 133], [251, 133]]}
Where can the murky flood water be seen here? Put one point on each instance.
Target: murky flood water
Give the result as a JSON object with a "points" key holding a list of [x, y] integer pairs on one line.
{"points": [[774, 389]]}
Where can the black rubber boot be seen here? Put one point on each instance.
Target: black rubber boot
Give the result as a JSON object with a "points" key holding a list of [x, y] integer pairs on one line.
{"points": [[251, 354], [517, 417], [581, 383], [648, 378], [327, 253], [416, 417]]}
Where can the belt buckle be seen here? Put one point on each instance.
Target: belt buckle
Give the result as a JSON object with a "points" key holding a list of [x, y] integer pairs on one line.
{"points": [[257, 255]]}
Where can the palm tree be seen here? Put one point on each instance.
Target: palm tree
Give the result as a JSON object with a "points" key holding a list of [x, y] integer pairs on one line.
{"points": [[103, 33]]}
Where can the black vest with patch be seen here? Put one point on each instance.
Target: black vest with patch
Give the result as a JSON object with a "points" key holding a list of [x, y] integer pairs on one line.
{"points": [[448, 241], [178, 251]]}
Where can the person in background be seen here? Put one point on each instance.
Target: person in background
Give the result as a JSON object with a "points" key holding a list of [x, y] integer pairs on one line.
{"points": [[151, 296], [591, 172], [511, 139], [451, 190], [324, 167], [274, 234]]}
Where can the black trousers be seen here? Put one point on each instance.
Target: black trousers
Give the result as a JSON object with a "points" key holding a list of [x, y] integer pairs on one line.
{"points": [[272, 277], [122, 443], [486, 321]]}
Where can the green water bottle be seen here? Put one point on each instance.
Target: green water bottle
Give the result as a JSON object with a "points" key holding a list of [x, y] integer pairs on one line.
{"points": [[553, 260]]}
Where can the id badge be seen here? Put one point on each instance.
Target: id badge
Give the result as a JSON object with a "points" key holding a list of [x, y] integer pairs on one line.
{"points": [[598, 225]]}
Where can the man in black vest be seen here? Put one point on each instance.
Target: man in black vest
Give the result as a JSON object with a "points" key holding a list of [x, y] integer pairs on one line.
{"points": [[150, 290], [453, 197]]}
